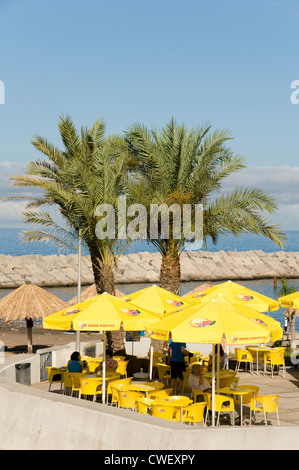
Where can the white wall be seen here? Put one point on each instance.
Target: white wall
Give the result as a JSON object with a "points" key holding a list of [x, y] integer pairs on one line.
{"points": [[31, 419]]}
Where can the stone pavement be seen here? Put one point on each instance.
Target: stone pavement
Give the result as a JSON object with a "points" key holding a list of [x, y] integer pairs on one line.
{"points": [[287, 389]]}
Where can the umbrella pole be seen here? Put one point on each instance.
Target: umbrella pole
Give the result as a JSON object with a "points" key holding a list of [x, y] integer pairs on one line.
{"points": [[79, 287], [151, 363], [218, 364], [213, 386], [104, 369], [29, 324]]}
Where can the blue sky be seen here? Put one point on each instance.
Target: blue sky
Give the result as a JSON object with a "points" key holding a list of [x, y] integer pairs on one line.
{"points": [[228, 63]]}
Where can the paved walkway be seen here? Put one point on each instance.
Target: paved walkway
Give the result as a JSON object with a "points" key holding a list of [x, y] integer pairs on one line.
{"points": [[287, 389]]}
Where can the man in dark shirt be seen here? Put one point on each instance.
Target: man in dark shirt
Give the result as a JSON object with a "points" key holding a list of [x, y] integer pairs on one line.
{"points": [[177, 364]]}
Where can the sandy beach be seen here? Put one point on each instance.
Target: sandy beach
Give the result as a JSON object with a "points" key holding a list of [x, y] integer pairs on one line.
{"points": [[14, 337]]}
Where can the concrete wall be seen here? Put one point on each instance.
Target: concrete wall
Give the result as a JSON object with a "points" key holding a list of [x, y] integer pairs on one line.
{"points": [[35, 420], [144, 267], [60, 356]]}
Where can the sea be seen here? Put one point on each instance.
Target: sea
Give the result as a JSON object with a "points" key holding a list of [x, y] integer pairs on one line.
{"points": [[11, 244]]}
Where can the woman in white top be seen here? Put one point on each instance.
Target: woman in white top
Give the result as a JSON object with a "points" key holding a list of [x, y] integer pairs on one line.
{"points": [[197, 379]]}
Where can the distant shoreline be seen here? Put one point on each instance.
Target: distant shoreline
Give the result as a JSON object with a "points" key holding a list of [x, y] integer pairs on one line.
{"points": [[144, 267]]}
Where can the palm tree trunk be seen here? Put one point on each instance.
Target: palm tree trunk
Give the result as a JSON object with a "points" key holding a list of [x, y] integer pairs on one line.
{"points": [[291, 315], [104, 281], [170, 271]]}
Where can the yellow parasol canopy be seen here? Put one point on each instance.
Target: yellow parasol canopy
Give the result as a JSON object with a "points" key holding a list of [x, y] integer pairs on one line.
{"points": [[290, 300], [238, 293], [101, 313], [90, 292], [156, 300], [207, 322]]}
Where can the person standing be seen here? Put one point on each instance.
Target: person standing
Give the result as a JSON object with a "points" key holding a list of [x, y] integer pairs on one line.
{"points": [[177, 352]]}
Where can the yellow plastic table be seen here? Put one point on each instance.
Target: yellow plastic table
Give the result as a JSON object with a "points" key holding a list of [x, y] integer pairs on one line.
{"points": [[235, 392], [140, 388], [179, 401], [255, 350]]}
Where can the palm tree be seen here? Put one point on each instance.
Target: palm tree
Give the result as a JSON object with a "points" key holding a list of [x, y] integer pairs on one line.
{"points": [[187, 167], [87, 173]]}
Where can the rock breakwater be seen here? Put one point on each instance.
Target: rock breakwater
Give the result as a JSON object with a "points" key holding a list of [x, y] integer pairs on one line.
{"points": [[61, 270]]}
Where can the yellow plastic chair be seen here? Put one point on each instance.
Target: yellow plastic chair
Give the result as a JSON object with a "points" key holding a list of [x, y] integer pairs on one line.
{"points": [[119, 358], [127, 399], [169, 412], [87, 358], [71, 380], [198, 393], [186, 386], [163, 372], [243, 356], [194, 413], [122, 368], [223, 404], [144, 405], [227, 381], [275, 358], [54, 376], [265, 404], [158, 358], [227, 372], [164, 393], [114, 385], [92, 365], [205, 361], [90, 387]]}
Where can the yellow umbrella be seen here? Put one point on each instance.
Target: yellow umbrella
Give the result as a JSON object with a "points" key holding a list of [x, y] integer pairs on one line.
{"points": [[207, 322], [237, 292], [108, 313], [63, 320], [157, 300], [101, 313], [290, 300]]}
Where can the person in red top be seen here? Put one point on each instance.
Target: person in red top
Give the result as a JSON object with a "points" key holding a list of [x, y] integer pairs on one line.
{"points": [[110, 362]]}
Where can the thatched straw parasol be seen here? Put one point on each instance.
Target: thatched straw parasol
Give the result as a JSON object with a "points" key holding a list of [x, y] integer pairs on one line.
{"points": [[89, 292], [204, 286], [29, 302]]}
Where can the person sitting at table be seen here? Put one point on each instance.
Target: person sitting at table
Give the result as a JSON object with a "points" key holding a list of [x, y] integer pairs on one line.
{"points": [[110, 362], [75, 364], [197, 379]]}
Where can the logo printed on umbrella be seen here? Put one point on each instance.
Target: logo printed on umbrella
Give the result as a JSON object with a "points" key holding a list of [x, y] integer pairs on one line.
{"points": [[246, 298], [260, 322], [127, 299], [71, 311], [82, 325], [176, 303], [199, 294], [129, 311], [201, 322], [234, 339]]}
